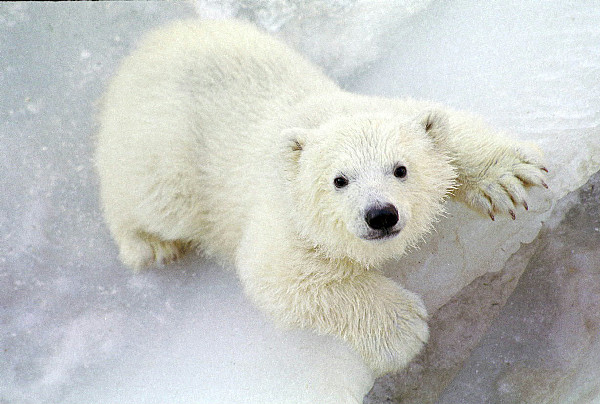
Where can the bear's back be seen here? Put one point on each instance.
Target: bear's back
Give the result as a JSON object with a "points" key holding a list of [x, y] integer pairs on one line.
{"points": [[226, 67], [196, 111]]}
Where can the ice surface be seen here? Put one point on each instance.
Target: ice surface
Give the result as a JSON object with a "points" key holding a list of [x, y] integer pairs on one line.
{"points": [[545, 345], [542, 347], [77, 327], [342, 36]]}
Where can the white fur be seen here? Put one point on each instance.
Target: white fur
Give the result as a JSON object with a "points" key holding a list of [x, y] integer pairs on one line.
{"points": [[216, 135]]}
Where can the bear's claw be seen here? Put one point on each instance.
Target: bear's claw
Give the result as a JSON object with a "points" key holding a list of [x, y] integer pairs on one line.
{"points": [[499, 186]]}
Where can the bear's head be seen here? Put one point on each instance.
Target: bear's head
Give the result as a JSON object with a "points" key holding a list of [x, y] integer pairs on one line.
{"points": [[367, 187]]}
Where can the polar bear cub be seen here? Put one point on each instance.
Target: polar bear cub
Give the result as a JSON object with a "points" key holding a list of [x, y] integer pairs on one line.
{"points": [[215, 135]]}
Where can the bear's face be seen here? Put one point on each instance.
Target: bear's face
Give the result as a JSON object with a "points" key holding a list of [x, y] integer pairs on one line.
{"points": [[366, 187]]}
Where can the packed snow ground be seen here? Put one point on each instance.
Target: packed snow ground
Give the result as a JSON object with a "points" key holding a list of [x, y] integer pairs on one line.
{"points": [[75, 326]]}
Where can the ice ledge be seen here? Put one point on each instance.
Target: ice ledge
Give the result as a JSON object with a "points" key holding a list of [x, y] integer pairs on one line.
{"points": [[542, 346]]}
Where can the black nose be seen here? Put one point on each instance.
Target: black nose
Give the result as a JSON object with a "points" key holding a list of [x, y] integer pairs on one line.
{"points": [[381, 218]]}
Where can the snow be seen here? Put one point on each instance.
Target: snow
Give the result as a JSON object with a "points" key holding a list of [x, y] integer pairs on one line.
{"points": [[78, 327]]}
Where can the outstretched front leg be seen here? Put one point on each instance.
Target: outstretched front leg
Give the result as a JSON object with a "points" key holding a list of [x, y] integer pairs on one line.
{"points": [[383, 322], [493, 171]]}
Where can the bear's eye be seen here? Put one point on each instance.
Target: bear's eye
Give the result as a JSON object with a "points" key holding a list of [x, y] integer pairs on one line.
{"points": [[340, 182], [400, 172]]}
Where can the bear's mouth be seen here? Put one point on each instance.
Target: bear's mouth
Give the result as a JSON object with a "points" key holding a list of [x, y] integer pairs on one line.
{"points": [[381, 235]]}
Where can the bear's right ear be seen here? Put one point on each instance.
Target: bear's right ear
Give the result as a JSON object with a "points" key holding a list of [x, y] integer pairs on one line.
{"points": [[294, 142], [435, 123]]}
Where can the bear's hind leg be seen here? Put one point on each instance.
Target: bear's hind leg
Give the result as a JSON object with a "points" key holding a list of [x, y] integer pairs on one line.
{"points": [[138, 249]]}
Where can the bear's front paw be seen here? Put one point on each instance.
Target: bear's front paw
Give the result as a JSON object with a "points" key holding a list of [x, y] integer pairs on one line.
{"points": [[397, 336], [495, 182]]}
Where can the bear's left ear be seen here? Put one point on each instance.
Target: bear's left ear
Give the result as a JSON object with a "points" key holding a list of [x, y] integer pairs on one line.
{"points": [[294, 142], [435, 123]]}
